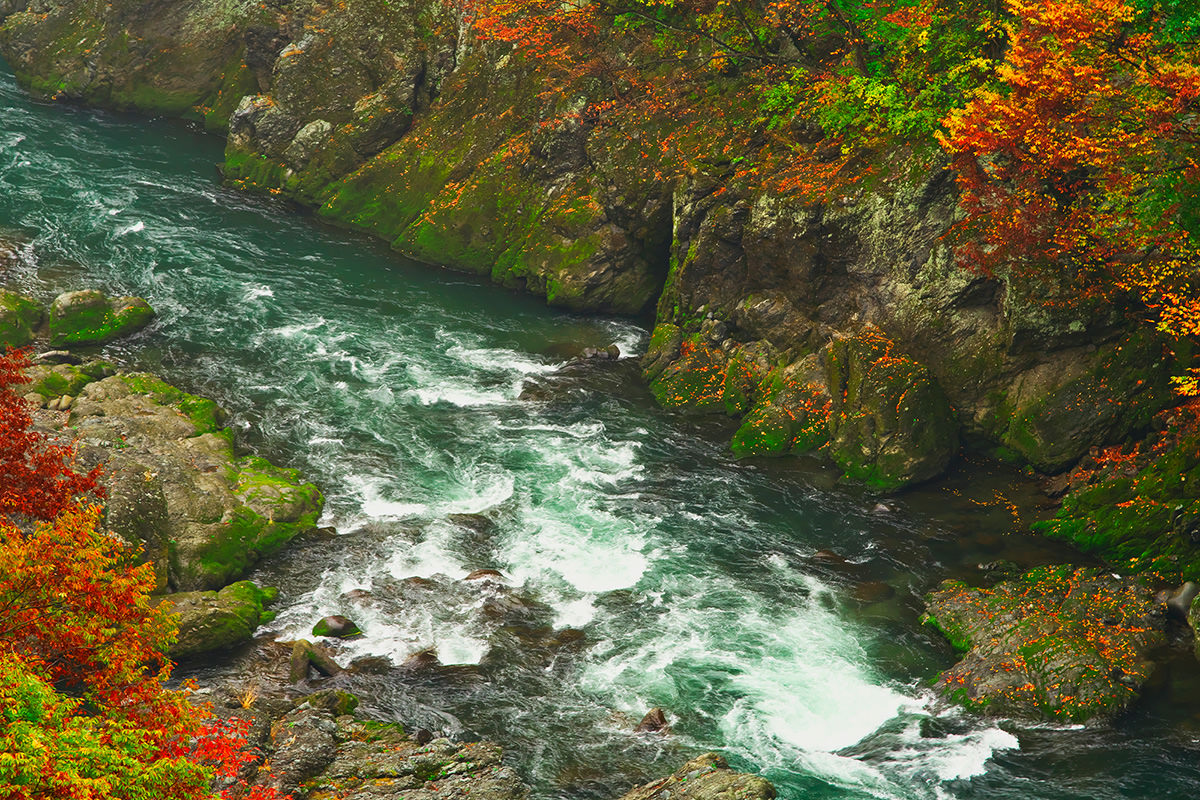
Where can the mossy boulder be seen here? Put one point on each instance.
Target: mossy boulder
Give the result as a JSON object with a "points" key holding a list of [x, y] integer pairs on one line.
{"points": [[789, 411], [1053, 416], [1058, 643], [695, 380], [890, 423], [1139, 507], [270, 507], [336, 626], [91, 317], [224, 512], [66, 379], [20, 317], [216, 621]]}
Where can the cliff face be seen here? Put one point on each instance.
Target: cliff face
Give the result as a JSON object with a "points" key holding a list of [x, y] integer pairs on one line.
{"points": [[845, 325]]}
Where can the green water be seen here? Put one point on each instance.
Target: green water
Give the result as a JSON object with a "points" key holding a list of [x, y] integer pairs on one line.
{"points": [[698, 582]]}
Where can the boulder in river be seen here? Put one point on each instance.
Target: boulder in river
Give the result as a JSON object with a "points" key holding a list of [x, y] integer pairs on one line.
{"points": [[655, 721], [1059, 643], [337, 626], [91, 317]]}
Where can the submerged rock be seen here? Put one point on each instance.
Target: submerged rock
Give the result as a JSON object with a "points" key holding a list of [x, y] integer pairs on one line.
{"points": [[707, 777], [91, 317], [305, 656], [1057, 643], [655, 721]]}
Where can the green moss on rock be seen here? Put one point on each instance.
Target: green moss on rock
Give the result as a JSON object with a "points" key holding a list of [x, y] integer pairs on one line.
{"points": [[890, 424], [1057, 643], [90, 317], [217, 620], [20, 317], [1139, 510]]}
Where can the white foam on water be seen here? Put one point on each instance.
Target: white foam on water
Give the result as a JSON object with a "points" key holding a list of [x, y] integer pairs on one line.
{"points": [[433, 555], [391, 635], [629, 339], [951, 757], [966, 756], [134, 227], [369, 490], [575, 613], [298, 329], [255, 291], [500, 359], [586, 553]]}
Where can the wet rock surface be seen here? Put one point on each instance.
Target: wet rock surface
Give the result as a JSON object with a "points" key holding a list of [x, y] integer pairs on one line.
{"points": [[177, 485], [215, 621], [1059, 643], [707, 777]]}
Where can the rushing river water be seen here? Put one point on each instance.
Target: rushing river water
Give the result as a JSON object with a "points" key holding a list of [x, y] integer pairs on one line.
{"points": [[697, 584]]}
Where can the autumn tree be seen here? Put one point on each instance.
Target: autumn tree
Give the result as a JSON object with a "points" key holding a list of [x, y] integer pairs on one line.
{"points": [[86, 713], [37, 478]]}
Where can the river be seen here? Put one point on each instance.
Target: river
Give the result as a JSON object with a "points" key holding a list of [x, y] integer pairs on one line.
{"points": [[696, 583]]}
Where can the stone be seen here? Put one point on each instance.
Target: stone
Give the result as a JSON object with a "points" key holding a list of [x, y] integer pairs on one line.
{"points": [[90, 317], [655, 721], [224, 512], [376, 760], [20, 317], [306, 655], [335, 701], [706, 777], [336, 626], [135, 509], [422, 661], [303, 743], [212, 622], [1057, 643], [1179, 603], [890, 425], [484, 574]]}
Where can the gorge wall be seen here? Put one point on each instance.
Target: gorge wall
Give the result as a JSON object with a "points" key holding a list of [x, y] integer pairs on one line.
{"points": [[844, 324]]}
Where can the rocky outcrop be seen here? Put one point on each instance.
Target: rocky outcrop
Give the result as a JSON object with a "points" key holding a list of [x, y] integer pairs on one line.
{"points": [[1056, 643], [1138, 505], [707, 777], [194, 59], [176, 485], [214, 621]]}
